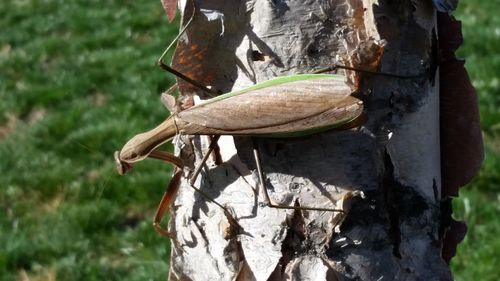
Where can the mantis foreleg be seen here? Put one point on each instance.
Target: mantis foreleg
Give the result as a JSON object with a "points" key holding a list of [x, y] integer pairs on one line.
{"points": [[211, 148], [173, 187], [165, 202]]}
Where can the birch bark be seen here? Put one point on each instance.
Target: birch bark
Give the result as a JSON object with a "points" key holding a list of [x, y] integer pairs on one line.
{"points": [[386, 173]]}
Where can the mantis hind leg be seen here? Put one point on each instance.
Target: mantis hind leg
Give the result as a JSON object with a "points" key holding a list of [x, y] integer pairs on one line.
{"points": [[269, 202]]}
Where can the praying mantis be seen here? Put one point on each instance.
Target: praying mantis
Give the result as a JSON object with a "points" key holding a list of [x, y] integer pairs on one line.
{"points": [[289, 106]]}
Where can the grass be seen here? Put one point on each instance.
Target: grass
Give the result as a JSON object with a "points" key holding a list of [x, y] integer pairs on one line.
{"points": [[79, 77], [73, 75]]}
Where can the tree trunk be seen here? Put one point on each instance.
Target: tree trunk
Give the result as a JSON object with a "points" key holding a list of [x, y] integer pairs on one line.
{"points": [[385, 174]]}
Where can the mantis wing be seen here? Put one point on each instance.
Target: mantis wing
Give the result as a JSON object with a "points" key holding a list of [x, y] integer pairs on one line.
{"points": [[309, 103]]}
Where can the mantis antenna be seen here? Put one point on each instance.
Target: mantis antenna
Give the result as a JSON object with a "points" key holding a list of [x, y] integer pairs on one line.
{"points": [[337, 66]]}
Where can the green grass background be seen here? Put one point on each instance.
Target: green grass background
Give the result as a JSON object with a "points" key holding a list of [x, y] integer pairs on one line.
{"points": [[77, 78]]}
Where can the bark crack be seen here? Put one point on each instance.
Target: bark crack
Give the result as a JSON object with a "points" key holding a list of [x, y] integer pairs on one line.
{"points": [[293, 244], [390, 185]]}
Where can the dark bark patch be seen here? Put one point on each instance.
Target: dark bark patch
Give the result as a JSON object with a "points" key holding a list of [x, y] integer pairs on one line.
{"points": [[364, 211], [257, 56]]}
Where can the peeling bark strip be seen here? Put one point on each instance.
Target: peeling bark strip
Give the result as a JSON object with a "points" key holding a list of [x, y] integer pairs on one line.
{"points": [[461, 137], [387, 173]]}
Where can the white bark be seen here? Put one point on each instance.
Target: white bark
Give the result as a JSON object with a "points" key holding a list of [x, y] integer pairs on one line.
{"points": [[387, 172]]}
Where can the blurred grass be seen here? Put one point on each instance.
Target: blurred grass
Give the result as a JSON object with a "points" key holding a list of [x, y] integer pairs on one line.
{"points": [[73, 74], [78, 77]]}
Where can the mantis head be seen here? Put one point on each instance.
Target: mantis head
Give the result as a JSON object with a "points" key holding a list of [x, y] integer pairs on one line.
{"points": [[121, 166]]}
